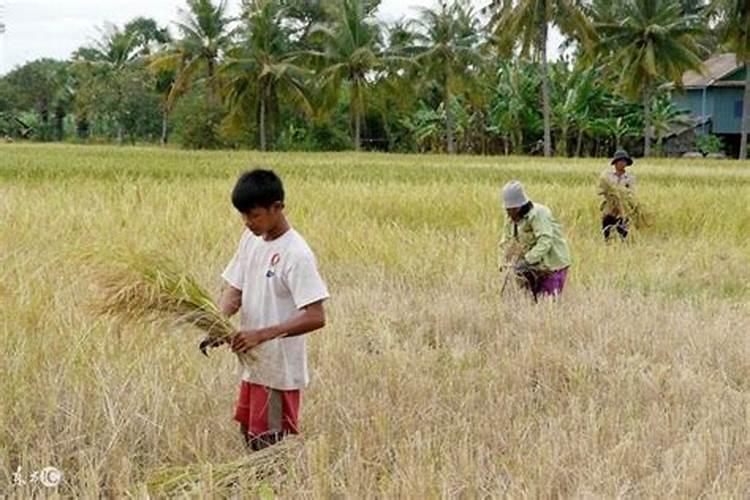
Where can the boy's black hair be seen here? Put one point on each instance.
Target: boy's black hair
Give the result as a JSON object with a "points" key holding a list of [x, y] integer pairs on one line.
{"points": [[257, 188]]}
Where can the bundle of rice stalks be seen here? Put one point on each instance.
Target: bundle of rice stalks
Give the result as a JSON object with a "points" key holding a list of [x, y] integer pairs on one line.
{"points": [[622, 202], [138, 287], [251, 471], [512, 252]]}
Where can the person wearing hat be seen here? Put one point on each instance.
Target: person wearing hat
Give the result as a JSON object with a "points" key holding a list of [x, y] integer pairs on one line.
{"points": [[533, 243], [612, 216]]}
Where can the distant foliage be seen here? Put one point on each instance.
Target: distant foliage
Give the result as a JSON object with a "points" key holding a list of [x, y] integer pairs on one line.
{"points": [[455, 77], [198, 123]]}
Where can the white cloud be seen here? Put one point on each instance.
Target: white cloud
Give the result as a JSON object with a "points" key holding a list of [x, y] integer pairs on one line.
{"points": [[55, 28]]}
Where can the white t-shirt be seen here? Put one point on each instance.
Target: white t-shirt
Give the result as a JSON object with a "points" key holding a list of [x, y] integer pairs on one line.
{"points": [[277, 279]]}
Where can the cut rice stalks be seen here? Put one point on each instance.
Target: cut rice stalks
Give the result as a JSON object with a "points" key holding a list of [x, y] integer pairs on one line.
{"points": [[253, 471], [622, 202], [511, 253]]}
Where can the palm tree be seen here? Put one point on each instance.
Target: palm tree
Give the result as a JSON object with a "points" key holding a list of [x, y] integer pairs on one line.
{"points": [[735, 33], [647, 42], [112, 59], [527, 22], [447, 41], [115, 49], [149, 38], [206, 35], [262, 66], [164, 81], [109, 60], [397, 88], [351, 42]]}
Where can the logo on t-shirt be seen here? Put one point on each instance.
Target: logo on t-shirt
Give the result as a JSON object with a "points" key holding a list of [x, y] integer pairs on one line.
{"points": [[275, 258]]}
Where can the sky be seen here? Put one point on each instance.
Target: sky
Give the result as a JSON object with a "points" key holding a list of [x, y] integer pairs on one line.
{"points": [[55, 28]]}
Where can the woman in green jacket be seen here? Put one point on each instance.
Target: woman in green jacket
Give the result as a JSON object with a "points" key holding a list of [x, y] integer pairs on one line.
{"points": [[541, 253]]}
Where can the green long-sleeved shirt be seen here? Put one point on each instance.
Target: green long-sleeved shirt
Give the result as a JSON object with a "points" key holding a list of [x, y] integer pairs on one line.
{"points": [[541, 238]]}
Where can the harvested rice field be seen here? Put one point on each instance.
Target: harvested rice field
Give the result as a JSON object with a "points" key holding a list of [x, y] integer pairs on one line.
{"points": [[426, 382]]}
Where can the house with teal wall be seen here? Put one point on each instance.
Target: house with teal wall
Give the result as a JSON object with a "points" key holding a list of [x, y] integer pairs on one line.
{"points": [[714, 99]]}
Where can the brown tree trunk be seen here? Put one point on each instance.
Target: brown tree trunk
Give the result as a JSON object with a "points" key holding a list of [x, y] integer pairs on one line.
{"points": [[579, 143], [355, 106], [59, 123], [518, 149], [82, 126], [164, 127], [210, 89], [262, 120], [357, 131], [44, 112], [545, 89], [647, 121], [562, 145], [449, 125]]}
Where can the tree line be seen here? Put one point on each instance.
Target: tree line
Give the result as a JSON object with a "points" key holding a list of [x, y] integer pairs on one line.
{"points": [[327, 75]]}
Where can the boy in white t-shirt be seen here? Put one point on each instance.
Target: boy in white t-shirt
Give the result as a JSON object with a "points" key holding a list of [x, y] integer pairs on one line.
{"points": [[274, 282]]}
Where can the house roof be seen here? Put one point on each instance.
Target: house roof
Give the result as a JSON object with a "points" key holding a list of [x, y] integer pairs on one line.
{"points": [[714, 69]]}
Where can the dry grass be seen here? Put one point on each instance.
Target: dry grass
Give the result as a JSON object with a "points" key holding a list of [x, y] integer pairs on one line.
{"points": [[426, 383], [251, 473]]}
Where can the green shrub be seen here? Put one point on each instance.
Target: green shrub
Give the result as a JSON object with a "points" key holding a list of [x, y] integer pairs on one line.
{"points": [[709, 143]]}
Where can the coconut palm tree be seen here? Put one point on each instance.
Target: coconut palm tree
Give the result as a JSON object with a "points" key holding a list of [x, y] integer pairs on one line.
{"points": [[108, 61], [262, 66], [111, 60], [527, 22], [206, 34], [398, 87], [351, 52], [646, 43], [446, 49]]}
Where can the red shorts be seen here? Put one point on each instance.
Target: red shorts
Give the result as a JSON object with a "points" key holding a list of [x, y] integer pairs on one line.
{"points": [[264, 410]]}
